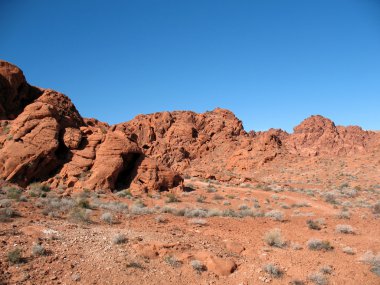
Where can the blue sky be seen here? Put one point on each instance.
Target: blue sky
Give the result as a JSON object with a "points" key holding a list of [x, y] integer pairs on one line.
{"points": [[273, 63]]}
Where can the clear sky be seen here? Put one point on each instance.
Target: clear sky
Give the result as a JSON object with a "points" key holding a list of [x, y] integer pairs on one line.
{"points": [[273, 63]]}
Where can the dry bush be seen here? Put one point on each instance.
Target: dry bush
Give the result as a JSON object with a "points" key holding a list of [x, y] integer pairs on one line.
{"points": [[274, 238]]}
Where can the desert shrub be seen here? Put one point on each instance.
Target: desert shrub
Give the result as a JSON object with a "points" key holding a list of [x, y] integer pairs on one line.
{"points": [[274, 238], [39, 187], [107, 218], [344, 229], [214, 213], [243, 207], [161, 219], [330, 198], [314, 225], [38, 250], [211, 189], [197, 266], [13, 193], [5, 203], [83, 203], [190, 213], [172, 261], [6, 214], [135, 265], [373, 260], [168, 210], [201, 199], [119, 239], [80, 215], [218, 197], [344, 215], [275, 215], [376, 208], [15, 256], [300, 204], [316, 244], [56, 207], [246, 213], [273, 270], [115, 207], [199, 222], [348, 250], [284, 206], [140, 210], [226, 203], [172, 198], [318, 279], [326, 269], [126, 193], [229, 213]]}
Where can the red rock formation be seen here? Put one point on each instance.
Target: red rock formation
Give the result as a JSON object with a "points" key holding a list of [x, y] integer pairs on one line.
{"points": [[43, 137]]}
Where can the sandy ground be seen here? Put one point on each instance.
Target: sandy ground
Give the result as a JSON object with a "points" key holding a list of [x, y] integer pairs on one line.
{"points": [[160, 248]]}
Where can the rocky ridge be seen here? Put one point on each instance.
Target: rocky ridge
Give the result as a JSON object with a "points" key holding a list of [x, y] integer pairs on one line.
{"points": [[43, 137]]}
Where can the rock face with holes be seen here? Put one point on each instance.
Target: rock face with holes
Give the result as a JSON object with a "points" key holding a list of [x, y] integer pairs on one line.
{"points": [[43, 137]]}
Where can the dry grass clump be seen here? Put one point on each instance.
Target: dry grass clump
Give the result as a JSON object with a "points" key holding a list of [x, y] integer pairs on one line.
{"points": [[318, 279], [172, 198], [344, 229], [38, 250], [119, 239], [349, 250], [276, 215], [107, 218], [15, 256], [161, 219], [198, 266], [172, 261], [274, 238], [344, 214], [317, 244], [313, 225], [273, 270], [372, 259], [80, 215]]}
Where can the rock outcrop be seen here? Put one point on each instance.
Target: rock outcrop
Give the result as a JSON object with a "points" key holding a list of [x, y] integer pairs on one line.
{"points": [[43, 137]]}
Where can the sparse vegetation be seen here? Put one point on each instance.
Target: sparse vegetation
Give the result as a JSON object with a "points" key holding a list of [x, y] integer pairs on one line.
{"points": [[318, 279], [119, 239], [344, 229], [80, 215], [326, 269], [38, 250], [172, 198], [14, 256], [373, 260], [273, 270], [274, 238], [314, 225], [197, 266], [348, 250], [172, 261], [107, 218], [201, 199], [316, 244], [275, 215]]}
